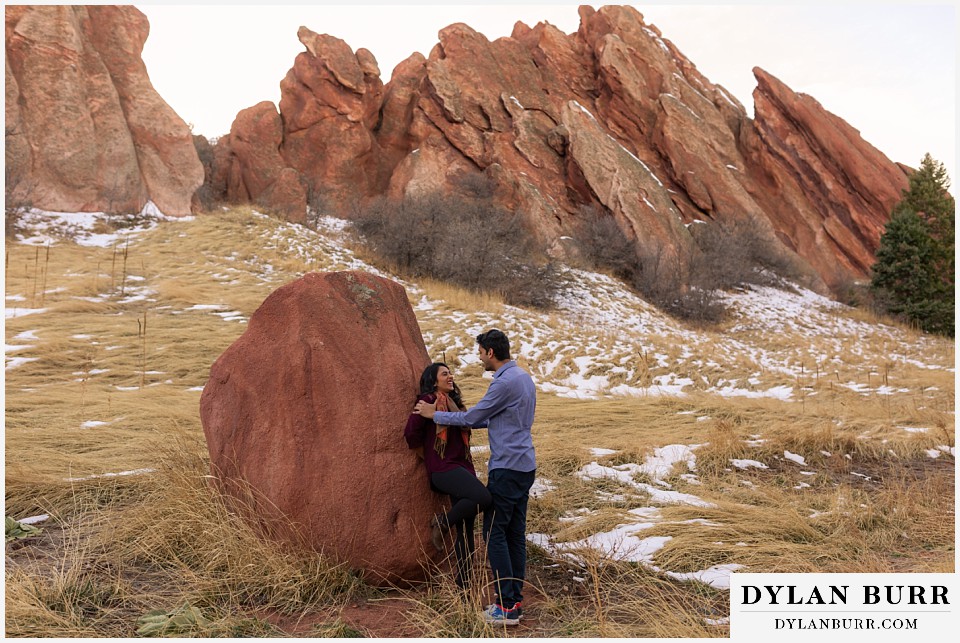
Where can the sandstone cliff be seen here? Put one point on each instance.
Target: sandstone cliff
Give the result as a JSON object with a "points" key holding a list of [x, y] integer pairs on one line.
{"points": [[85, 130], [613, 116]]}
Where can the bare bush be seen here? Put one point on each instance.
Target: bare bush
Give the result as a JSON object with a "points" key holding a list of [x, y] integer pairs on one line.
{"points": [[476, 185], [318, 205], [735, 253], [688, 287], [603, 245], [470, 242]]}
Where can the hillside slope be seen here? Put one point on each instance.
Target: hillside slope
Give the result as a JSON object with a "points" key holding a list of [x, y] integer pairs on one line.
{"points": [[800, 436]]}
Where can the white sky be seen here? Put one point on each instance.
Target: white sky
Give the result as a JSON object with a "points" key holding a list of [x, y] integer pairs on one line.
{"points": [[888, 70]]}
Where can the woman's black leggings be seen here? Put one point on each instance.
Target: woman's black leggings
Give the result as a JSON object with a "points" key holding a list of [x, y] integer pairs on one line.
{"points": [[468, 496]]}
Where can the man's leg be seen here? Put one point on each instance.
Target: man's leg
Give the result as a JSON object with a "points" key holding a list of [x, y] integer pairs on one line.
{"points": [[516, 535], [506, 533], [495, 521]]}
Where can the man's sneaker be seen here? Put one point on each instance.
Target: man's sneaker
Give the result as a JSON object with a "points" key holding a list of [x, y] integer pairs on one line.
{"points": [[517, 607], [496, 614]]}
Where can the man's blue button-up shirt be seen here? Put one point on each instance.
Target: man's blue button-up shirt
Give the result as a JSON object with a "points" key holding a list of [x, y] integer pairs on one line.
{"points": [[507, 412]]}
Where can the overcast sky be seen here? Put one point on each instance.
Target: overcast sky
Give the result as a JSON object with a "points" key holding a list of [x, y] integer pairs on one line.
{"points": [[888, 70]]}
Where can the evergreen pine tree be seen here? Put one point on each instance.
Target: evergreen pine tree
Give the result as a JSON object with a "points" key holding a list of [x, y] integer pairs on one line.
{"points": [[914, 272]]}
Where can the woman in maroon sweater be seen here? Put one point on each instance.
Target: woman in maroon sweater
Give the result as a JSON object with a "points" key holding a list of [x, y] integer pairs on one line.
{"points": [[446, 453]]}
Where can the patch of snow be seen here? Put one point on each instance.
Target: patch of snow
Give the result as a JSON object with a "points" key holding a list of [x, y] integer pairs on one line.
{"points": [[746, 464], [47, 228], [717, 576], [206, 307], [134, 472], [595, 451], [794, 457], [541, 487], [661, 463], [10, 313], [620, 543], [624, 473], [779, 392], [16, 362]]}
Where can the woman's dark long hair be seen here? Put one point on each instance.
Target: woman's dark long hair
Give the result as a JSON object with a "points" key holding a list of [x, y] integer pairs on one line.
{"points": [[428, 383]]}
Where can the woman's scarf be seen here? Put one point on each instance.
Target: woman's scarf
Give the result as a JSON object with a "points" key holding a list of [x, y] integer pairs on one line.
{"points": [[443, 403]]}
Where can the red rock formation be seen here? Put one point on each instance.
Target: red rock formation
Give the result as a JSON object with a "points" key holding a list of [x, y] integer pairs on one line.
{"points": [[842, 188], [307, 408], [85, 130], [612, 116], [251, 169], [330, 101]]}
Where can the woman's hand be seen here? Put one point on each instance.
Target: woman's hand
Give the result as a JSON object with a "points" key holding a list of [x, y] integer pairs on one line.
{"points": [[425, 410]]}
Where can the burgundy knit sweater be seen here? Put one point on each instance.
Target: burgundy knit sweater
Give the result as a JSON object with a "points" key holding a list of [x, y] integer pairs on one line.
{"points": [[423, 432]]}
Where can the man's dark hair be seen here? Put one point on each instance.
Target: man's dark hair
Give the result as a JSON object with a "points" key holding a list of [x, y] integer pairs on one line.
{"points": [[496, 340]]}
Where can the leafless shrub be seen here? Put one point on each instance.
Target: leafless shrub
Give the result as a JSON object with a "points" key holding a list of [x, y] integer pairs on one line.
{"points": [[697, 305], [733, 254], [471, 242], [476, 186], [603, 245], [318, 206], [725, 256]]}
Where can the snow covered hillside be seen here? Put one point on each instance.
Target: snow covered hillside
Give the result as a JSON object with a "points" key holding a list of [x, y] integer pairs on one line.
{"points": [[603, 340]]}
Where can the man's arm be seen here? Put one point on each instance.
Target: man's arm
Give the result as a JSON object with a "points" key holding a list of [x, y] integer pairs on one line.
{"points": [[489, 405]]}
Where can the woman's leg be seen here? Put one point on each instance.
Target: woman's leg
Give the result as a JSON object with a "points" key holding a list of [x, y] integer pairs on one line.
{"points": [[468, 495], [465, 548]]}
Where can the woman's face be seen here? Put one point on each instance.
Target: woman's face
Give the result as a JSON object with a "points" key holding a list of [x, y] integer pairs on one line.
{"points": [[444, 380]]}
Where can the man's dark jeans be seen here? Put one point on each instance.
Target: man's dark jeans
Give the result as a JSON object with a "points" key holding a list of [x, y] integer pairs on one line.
{"points": [[504, 531]]}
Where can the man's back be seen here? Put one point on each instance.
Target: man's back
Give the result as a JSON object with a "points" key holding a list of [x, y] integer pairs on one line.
{"points": [[511, 440]]}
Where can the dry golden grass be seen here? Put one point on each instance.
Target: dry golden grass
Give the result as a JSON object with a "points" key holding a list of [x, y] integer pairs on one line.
{"points": [[458, 299], [114, 388]]}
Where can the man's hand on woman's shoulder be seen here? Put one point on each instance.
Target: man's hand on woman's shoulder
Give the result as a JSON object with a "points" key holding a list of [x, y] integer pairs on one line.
{"points": [[425, 409]]}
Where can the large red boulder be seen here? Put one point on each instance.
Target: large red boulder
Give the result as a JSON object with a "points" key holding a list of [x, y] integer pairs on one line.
{"points": [[305, 414]]}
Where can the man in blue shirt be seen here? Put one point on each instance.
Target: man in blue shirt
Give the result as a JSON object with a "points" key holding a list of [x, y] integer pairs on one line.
{"points": [[507, 412]]}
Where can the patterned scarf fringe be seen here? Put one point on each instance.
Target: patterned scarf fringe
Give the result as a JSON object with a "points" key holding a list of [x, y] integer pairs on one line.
{"points": [[440, 443]]}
